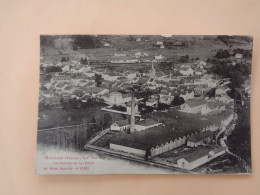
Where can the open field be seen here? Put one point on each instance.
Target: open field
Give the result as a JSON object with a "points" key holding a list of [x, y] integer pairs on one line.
{"points": [[197, 47]]}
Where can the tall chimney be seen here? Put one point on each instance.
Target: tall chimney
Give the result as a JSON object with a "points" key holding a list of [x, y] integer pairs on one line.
{"points": [[132, 123]]}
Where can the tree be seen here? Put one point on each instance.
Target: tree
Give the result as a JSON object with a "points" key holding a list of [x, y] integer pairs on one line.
{"points": [[119, 108], [162, 106], [85, 42], [222, 54], [236, 78], [98, 80], [43, 107], [47, 40], [184, 58], [177, 101], [107, 120], [166, 65], [53, 69], [211, 92]]}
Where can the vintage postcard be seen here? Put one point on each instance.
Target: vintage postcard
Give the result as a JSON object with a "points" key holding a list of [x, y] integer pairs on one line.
{"points": [[144, 104]]}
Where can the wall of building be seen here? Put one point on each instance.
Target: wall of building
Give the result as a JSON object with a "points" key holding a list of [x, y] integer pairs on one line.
{"points": [[134, 151], [193, 164], [168, 146], [141, 127]]}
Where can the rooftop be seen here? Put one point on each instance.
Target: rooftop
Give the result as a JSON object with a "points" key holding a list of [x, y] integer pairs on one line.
{"points": [[197, 154], [200, 136], [147, 122], [122, 123], [196, 102]]}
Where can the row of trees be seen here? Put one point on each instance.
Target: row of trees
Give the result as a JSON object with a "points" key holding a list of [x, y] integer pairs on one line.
{"points": [[65, 59], [222, 54], [225, 69], [74, 104], [119, 108], [53, 69], [85, 42]]}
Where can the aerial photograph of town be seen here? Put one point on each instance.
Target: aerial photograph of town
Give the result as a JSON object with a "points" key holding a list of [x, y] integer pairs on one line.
{"points": [[169, 103]]}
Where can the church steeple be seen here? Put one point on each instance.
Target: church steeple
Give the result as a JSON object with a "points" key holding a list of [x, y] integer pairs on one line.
{"points": [[152, 71]]}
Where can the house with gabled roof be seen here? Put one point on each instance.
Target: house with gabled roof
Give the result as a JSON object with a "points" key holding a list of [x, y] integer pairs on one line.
{"points": [[212, 106], [47, 93], [60, 79], [121, 125], [200, 157], [212, 83], [193, 106], [165, 99], [82, 83], [68, 89], [48, 85], [201, 138], [61, 86], [221, 90], [226, 99], [152, 102], [186, 71], [187, 94], [66, 68]]}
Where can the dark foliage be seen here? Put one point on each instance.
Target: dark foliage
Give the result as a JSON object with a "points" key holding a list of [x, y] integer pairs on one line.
{"points": [[184, 59], [119, 108], [177, 101], [162, 106], [222, 54], [85, 42], [98, 79], [53, 69], [65, 59]]}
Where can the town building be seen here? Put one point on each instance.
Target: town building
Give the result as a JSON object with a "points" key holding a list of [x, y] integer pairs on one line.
{"points": [[199, 157], [152, 102], [149, 142], [117, 98], [159, 57], [120, 54], [202, 138], [226, 99], [166, 99], [122, 125], [193, 106], [60, 79], [186, 71], [238, 55], [146, 124]]}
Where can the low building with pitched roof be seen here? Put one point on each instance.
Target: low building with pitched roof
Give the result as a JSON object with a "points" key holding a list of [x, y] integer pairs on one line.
{"points": [[193, 106], [199, 157], [122, 125], [146, 124], [202, 138]]}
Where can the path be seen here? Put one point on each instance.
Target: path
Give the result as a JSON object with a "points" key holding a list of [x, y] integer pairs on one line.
{"points": [[99, 136]]}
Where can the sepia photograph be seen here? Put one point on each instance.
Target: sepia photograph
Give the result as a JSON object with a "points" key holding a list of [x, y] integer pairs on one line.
{"points": [[144, 104]]}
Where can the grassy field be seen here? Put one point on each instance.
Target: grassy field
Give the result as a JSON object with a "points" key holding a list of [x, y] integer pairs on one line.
{"points": [[198, 47]]}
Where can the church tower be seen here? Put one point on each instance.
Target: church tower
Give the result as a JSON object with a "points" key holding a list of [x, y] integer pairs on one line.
{"points": [[152, 72]]}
